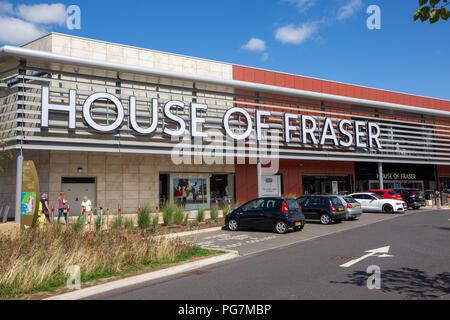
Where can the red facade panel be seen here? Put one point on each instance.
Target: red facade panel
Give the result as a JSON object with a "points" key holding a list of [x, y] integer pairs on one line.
{"points": [[292, 172], [309, 84]]}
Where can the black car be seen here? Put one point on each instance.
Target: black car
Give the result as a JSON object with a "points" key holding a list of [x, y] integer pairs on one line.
{"points": [[323, 208], [414, 198], [274, 213]]}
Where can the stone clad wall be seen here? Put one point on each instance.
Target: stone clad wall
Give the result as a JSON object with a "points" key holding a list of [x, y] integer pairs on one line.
{"points": [[127, 180], [111, 52]]}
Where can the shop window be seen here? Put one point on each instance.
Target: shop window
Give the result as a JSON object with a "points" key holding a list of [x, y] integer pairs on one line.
{"points": [[327, 184]]}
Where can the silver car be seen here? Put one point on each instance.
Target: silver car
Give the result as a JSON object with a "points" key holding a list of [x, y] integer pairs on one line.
{"points": [[352, 207]]}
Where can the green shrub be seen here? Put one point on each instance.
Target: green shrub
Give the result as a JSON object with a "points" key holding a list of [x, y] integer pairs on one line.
{"points": [[78, 225], [201, 214], [155, 220], [128, 223], [186, 219], [117, 223], [178, 216], [193, 224], [214, 213], [98, 222], [168, 211], [225, 211], [144, 218]]}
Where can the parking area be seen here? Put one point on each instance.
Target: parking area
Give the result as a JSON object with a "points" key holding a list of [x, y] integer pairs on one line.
{"points": [[251, 242]]}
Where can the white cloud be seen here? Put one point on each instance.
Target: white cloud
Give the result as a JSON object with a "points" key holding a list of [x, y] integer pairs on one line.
{"points": [[349, 9], [17, 32], [296, 35], [5, 8], [303, 5], [43, 13], [255, 44]]}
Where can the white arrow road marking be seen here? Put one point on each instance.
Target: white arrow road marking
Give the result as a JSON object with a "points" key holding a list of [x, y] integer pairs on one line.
{"points": [[381, 252]]}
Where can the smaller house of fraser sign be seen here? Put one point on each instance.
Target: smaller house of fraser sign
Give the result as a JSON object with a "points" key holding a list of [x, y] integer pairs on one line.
{"points": [[347, 133]]}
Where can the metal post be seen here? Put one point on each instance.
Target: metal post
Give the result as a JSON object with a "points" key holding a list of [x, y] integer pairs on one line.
{"points": [[258, 173], [19, 167], [380, 175], [258, 161]]}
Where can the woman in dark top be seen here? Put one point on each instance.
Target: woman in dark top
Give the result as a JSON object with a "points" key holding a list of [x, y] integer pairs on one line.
{"points": [[45, 209]]}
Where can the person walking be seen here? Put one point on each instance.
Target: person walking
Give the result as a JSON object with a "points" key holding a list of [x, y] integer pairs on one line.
{"points": [[86, 209], [179, 195], [45, 207], [62, 207]]}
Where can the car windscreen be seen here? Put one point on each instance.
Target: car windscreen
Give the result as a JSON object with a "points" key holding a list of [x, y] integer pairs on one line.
{"points": [[335, 201], [292, 204], [350, 199]]}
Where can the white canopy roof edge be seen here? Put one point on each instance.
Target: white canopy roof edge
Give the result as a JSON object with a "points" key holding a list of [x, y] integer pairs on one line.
{"points": [[22, 53]]}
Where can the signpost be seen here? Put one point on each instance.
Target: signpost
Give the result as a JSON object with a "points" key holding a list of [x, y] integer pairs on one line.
{"points": [[29, 207]]}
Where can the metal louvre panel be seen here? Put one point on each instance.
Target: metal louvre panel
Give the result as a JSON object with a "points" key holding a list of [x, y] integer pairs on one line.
{"points": [[417, 138]]}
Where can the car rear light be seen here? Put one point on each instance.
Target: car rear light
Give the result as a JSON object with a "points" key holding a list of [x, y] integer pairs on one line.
{"points": [[284, 208], [299, 206], [413, 194], [333, 209], [349, 206]]}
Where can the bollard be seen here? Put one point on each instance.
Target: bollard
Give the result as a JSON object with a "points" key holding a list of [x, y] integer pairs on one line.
{"points": [[119, 211], [229, 204], [432, 202], [53, 214], [217, 203], [68, 215], [438, 202]]}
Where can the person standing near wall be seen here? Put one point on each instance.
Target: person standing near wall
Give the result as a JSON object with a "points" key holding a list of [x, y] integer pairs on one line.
{"points": [[45, 207], [86, 207], [62, 207]]}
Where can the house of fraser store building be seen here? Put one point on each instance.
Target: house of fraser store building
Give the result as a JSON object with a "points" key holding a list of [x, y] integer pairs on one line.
{"points": [[128, 126]]}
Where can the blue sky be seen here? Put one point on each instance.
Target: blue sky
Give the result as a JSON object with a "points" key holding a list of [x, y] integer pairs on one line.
{"points": [[325, 39]]}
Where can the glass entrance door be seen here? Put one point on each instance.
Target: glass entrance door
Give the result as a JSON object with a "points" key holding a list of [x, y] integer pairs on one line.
{"points": [[191, 191]]}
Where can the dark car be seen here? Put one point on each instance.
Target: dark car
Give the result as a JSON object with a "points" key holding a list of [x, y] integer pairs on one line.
{"points": [[274, 213], [323, 208], [414, 198]]}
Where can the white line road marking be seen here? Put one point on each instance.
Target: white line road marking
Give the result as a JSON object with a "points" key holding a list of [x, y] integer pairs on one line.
{"points": [[381, 252]]}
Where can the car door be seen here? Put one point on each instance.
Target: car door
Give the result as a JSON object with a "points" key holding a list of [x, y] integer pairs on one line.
{"points": [[271, 212], [362, 200], [317, 205], [305, 204], [374, 204], [251, 213]]}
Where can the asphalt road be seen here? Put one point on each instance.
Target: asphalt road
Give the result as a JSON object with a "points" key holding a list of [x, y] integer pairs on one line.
{"points": [[250, 242], [417, 266]]}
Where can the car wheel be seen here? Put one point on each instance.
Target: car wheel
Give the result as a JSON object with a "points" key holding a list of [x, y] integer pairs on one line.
{"points": [[353, 218], [416, 208], [325, 218], [387, 208], [232, 225], [281, 227]]}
